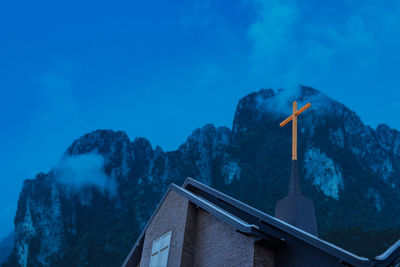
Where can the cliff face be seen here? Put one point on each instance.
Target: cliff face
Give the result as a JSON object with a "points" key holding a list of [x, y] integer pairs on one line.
{"points": [[347, 168], [90, 208], [6, 246]]}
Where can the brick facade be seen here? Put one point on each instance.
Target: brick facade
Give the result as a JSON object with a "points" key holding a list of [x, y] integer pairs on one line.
{"points": [[263, 257], [218, 244], [189, 242], [200, 239], [171, 216]]}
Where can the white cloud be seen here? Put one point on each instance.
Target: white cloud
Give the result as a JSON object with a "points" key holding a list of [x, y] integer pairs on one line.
{"points": [[281, 103], [323, 44], [84, 170]]}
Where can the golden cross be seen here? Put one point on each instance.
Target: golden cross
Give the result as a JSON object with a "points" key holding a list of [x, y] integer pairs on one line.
{"points": [[294, 126]]}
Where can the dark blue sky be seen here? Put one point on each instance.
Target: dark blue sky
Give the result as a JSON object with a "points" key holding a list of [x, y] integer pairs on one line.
{"points": [[160, 69]]}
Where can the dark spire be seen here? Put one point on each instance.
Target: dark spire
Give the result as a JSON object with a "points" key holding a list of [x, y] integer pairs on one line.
{"points": [[294, 183], [296, 209]]}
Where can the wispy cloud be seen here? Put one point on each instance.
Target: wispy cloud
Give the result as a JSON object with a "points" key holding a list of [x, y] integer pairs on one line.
{"points": [[323, 43], [84, 170]]}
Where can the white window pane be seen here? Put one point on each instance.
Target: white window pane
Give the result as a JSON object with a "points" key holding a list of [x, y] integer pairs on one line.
{"points": [[163, 243], [160, 250], [168, 236], [154, 260], [156, 246], [163, 257], [165, 240]]}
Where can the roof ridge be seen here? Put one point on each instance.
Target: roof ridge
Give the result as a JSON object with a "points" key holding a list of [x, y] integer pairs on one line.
{"points": [[276, 222]]}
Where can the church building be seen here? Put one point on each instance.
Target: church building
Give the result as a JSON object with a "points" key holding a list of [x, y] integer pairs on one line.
{"points": [[196, 225]]}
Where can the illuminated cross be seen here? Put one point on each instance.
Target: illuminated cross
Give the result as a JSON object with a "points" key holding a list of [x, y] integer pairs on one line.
{"points": [[294, 126]]}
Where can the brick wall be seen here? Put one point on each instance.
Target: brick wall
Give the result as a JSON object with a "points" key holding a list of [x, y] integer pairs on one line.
{"points": [[263, 256], [189, 241], [218, 244], [200, 239], [171, 216]]}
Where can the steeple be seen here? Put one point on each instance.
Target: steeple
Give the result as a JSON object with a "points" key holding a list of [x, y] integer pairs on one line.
{"points": [[295, 208], [294, 183]]}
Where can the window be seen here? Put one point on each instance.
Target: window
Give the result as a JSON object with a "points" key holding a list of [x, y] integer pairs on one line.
{"points": [[159, 251]]}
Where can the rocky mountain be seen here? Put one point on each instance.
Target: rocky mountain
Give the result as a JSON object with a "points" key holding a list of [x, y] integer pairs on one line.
{"points": [[89, 210], [6, 246]]}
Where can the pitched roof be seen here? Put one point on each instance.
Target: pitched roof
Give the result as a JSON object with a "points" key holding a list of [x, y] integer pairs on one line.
{"points": [[265, 228]]}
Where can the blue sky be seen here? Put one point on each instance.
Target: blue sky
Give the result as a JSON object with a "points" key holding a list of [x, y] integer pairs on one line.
{"points": [[160, 69]]}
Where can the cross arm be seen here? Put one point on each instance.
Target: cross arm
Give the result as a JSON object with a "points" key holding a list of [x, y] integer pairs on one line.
{"points": [[288, 119], [306, 106], [283, 123]]}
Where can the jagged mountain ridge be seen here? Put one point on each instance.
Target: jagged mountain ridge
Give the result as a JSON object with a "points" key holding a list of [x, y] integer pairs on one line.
{"points": [[347, 168]]}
